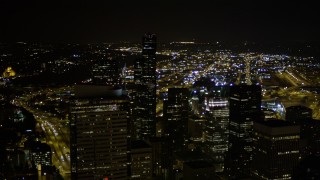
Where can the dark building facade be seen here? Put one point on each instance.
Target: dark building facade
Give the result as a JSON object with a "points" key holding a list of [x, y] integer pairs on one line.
{"points": [[141, 160], [310, 129], [161, 165], [275, 149], [310, 137], [99, 133], [245, 108], [109, 72], [297, 114], [196, 126], [308, 168], [144, 97], [176, 115], [199, 170]]}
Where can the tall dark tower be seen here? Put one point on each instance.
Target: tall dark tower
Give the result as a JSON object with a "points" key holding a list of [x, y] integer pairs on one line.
{"points": [[144, 111], [149, 45], [245, 108], [176, 114]]}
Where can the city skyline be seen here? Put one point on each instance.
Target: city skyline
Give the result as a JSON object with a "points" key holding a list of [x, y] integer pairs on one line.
{"points": [[97, 21], [181, 111]]}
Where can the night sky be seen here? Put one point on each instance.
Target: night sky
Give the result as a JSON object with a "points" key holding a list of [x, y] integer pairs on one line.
{"points": [[90, 21]]}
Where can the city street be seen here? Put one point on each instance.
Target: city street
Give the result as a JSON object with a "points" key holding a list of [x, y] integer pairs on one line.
{"points": [[56, 133]]}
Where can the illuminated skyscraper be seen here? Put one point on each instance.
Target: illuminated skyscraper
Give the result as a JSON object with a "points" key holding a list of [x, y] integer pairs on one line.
{"points": [[275, 149], [245, 108], [41, 154], [149, 45], [99, 133], [144, 98], [216, 126]]}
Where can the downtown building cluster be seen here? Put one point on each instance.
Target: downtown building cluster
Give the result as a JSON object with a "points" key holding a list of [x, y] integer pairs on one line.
{"points": [[171, 114], [113, 147], [208, 131]]}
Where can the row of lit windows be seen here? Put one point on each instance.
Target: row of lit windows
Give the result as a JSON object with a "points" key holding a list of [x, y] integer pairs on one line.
{"points": [[278, 138], [288, 152]]}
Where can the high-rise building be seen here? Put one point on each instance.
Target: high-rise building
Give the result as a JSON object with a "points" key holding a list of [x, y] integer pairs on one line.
{"points": [[99, 133], [109, 72], [199, 170], [275, 149], [41, 154], [161, 165], [310, 129], [310, 137], [216, 126], [245, 108], [141, 160], [196, 126], [144, 98], [176, 115], [298, 114], [308, 168], [149, 46]]}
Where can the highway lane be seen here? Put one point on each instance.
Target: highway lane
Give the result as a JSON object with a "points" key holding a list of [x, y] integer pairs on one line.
{"points": [[56, 133], [294, 95]]}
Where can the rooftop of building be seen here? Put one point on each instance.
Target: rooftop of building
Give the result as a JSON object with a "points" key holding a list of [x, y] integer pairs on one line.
{"points": [[39, 146], [159, 139], [85, 91], [276, 123], [139, 144], [187, 156], [299, 107], [199, 164], [276, 127]]}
